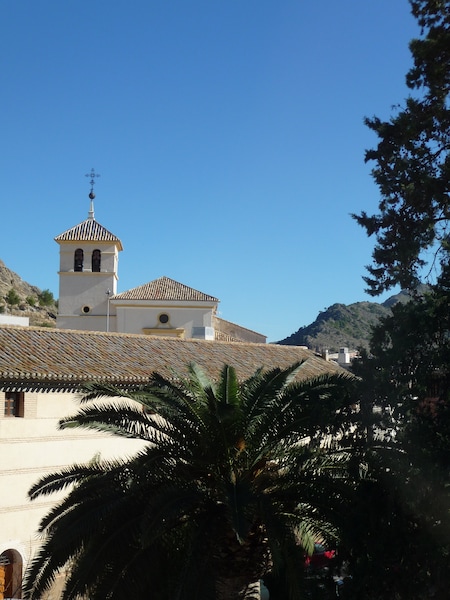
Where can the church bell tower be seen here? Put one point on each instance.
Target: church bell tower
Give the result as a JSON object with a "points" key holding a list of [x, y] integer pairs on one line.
{"points": [[88, 267]]}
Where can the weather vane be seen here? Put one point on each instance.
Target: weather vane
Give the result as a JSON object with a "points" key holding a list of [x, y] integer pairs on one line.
{"points": [[92, 175]]}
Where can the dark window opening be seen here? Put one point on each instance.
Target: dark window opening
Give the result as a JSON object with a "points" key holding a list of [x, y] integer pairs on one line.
{"points": [[14, 404], [96, 261], [79, 258]]}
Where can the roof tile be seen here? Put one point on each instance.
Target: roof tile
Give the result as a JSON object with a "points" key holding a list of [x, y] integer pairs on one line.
{"points": [[164, 288], [41, 358], [88, 231]]}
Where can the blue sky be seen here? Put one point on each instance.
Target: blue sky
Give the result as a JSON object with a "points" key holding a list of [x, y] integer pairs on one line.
{"points": [[228, 134]]}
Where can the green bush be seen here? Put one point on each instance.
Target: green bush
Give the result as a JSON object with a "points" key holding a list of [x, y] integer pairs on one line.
{"points": [[46, 298], [12, 297], [30, 300]]}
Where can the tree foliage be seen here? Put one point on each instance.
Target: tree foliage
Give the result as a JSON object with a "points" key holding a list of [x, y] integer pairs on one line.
{"points": [[412, 162], [400, 545], [12, 297], [46, 298], [234, 479]]}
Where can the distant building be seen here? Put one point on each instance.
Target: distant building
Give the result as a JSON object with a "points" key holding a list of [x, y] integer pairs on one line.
{"points": [[88, 298], [344, 357]]}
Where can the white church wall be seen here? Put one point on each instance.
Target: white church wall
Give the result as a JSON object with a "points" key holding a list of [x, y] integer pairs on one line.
{"points": [[86, 323], [32, 446], [109, 256], [83, 295], [136, 319], [84, 289]]}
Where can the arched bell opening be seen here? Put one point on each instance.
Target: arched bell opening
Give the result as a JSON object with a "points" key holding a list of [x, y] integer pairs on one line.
{"points": [[78, 260]]}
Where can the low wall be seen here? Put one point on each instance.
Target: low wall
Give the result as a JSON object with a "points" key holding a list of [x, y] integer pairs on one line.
{"points": [[11, 320]]}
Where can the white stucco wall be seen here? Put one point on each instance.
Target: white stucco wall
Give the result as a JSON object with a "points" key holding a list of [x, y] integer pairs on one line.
{"points": [[109, 256], [86, 323], [84, 289], [33, 446], [12, 320], [135, 318], [79, 289]]}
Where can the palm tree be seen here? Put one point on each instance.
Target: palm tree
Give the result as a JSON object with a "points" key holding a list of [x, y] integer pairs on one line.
{"points": [[234, 479]]}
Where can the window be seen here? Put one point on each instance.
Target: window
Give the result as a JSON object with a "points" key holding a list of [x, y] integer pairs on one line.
{"points": [[96, 261], [14, 404], [78, 261]]}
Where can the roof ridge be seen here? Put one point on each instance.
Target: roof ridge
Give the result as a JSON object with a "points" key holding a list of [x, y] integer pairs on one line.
{"points": [[165, 288], [88, 230]]}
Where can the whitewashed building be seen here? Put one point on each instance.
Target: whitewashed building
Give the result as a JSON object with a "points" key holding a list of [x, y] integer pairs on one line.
{"points": [[41, 373], [88, 298]]}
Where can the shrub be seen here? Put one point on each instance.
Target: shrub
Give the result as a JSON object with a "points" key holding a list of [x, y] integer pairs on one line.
{"points": [[12, 297], [46, 298]]}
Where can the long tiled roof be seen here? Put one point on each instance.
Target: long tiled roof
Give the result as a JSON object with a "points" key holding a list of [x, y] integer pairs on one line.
{"points": [[88, 231], [164, 288], [42, 358]]}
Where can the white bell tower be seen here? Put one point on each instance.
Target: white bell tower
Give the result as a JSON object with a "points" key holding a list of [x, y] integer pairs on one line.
{"points": [[88, 267]]}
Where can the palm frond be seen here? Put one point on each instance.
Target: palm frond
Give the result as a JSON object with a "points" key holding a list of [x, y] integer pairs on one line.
{"points": [[228, 473], [264, 386], [58, 481], [117, 419]]}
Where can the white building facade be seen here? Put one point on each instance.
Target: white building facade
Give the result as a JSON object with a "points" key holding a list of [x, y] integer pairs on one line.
{"points": [[88, 298], [42, 371]]}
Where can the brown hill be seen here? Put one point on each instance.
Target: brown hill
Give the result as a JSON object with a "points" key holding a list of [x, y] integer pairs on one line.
{"points": [[19, 298], [344, 325]]}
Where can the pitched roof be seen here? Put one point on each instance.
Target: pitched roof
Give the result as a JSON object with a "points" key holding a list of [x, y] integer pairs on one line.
{"points": [[164, 288], [88, 231], [42, 358]]}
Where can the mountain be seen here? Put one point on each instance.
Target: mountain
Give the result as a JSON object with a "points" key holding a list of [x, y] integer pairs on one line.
{"points": [[342, 325], [28, 300]]}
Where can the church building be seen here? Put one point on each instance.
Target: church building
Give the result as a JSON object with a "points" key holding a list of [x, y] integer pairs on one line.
{"points": [[42, 374], [88, 298], [109, 337]]}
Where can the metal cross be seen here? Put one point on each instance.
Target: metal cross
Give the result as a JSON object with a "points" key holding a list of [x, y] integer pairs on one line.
{"points": [[92, 174]]}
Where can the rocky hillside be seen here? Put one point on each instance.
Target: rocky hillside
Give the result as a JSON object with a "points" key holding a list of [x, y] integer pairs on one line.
{"points": [[343, 325], [19, 298]]}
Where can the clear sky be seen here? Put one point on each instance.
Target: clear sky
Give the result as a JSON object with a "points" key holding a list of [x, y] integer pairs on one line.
{"points": [[228, 135]]}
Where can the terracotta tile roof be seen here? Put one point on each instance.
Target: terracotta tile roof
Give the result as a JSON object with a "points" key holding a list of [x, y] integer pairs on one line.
{"points": [[88, 231], [42, 358], [164, 288]]}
